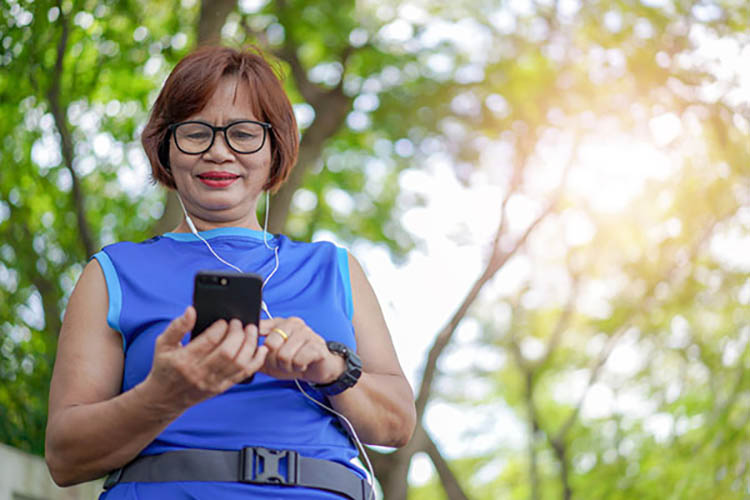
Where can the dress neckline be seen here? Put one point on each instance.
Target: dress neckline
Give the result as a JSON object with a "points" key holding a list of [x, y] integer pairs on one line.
{"points": [[220, 232]]}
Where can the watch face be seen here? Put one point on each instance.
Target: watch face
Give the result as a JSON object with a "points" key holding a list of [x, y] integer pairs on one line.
{"points": [[351, 374]]}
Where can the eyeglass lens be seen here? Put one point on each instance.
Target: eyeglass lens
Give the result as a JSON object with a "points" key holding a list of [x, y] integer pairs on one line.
{"points": [[244, 137]]}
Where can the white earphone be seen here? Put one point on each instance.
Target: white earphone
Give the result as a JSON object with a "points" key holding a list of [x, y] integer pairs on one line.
{"points": [[275, 248], [265, 241]]}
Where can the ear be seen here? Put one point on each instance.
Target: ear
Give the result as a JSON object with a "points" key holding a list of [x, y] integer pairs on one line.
{"points": [[164, 151]]}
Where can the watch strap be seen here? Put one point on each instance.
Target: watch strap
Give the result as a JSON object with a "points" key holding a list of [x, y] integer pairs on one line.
{"points": [[351, 374]]}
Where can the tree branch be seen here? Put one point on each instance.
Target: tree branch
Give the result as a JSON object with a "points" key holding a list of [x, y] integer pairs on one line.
{"points": [[331, 107], [212, 18], [562, 324], [310, 92], [561, 453], [528, 377], [43, 284], [497, 259], [721, 411], [329, 116], [645, 305], [449, 480], [59, 113]]}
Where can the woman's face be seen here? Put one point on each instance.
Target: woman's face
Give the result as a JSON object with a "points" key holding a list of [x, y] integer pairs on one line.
{"points": [[221, 186]]}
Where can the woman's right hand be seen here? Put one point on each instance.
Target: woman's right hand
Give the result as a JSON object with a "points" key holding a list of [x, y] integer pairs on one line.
{"points": [[93, 427], [220, 357]]}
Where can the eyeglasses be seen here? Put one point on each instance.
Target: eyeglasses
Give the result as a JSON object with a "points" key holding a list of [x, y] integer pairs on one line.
{"points": [[243, 136]]}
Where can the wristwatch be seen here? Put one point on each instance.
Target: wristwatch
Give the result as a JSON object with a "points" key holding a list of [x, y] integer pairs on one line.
{"points": [[351, 373]]}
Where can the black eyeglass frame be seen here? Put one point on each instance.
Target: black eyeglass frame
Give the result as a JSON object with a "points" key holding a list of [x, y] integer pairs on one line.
{"points": [[266, 126]]}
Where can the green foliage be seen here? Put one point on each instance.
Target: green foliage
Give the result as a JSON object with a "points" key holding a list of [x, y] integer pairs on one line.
{"points": [[627, 373], [100, 88]]}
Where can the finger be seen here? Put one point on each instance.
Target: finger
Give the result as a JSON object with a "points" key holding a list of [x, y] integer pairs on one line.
{"points": [[267, 325], [177, 328], [249, 357], [274, 340], [250, 344], [288, 351], [307, 354], [202, 345], [287, 324], [221, 360], [254, 365]]}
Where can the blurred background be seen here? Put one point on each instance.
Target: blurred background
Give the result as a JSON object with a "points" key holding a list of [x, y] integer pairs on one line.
{"points": [[551, 198]]}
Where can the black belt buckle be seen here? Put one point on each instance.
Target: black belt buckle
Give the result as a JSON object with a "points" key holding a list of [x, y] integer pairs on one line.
{"points": [[261, 466]]}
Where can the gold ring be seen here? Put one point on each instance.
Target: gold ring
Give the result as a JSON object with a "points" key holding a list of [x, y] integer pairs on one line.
{"points": [[280, 332]]}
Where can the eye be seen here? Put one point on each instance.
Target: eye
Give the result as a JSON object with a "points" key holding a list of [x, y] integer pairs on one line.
{"points": [[194, 132], [243, 130], [197, 135]]}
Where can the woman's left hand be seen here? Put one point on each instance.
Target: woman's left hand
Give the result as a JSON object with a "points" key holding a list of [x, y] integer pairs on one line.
{"points": [[295, 351]]}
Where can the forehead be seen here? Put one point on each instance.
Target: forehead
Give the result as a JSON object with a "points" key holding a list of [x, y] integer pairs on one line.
{"points": [[233, 98]]}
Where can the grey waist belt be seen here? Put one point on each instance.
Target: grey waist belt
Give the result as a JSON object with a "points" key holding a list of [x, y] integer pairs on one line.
{"points": [[250, 465]]}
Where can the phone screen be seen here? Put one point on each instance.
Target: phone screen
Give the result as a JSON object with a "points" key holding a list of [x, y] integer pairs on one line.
{"points": [[226, 295]]}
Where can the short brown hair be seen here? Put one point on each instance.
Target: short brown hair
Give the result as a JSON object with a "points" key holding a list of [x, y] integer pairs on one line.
{"points": [[189, 88]]}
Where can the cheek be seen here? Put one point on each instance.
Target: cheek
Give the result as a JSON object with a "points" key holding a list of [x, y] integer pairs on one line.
{"points": [[178, 160], [174, 155]]}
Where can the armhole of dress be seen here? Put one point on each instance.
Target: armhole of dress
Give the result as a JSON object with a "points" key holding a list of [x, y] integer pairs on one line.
{"points": [[343, 261], [114, 292]]}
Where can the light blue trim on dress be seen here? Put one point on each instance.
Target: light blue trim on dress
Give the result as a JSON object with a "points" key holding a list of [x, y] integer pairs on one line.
{"points": [[343, 260], [218, 232], [114, 291]]}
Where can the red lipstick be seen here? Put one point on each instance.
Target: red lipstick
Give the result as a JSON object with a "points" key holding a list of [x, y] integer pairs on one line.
{"points": [[216, 179]]}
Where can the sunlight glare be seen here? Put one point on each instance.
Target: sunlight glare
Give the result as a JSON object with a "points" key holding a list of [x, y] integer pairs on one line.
{"points": [[421, 470], [613, 170]]}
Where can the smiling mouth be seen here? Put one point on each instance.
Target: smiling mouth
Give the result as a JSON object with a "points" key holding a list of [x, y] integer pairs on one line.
{"points": [[218, 176]]}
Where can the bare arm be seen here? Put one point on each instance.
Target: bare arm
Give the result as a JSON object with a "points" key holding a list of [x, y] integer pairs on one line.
{"points": [[91, 427], [381, 405]]}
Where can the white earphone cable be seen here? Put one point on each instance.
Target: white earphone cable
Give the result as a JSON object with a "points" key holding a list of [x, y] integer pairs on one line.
{"points": [[349, 426], [350, 430]]}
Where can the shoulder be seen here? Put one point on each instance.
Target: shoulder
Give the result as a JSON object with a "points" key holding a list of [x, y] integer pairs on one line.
{"points": [[125, 248], [123, 245], [321, 255], [323, 247]]}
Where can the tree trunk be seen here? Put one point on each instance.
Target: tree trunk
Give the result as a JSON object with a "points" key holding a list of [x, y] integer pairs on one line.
{"points": [[212, 18], [60, 112], [447, 478], [330, 112], [391, 470]]}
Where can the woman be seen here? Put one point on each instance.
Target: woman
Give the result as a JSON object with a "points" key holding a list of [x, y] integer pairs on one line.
{"points": [[129, 390]]}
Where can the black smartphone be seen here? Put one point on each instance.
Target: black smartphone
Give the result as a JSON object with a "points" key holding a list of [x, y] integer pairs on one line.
{"points": [[226, 295]]}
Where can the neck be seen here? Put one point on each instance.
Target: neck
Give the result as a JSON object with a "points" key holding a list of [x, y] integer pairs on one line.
{"points": [[249, 220], [204, 225]]}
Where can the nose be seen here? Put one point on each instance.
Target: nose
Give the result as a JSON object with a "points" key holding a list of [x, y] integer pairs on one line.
{"points": [[219, 150]]}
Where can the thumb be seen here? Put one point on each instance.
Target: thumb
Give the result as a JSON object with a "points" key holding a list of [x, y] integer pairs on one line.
{"points": [[177, 328]]}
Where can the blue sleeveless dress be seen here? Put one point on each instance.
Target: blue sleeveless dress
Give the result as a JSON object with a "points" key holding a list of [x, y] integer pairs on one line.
{"points": [[150, 283]]}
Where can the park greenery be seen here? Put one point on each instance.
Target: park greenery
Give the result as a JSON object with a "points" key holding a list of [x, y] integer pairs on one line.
{"points": [[600, 350]]}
